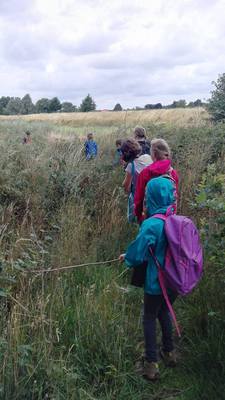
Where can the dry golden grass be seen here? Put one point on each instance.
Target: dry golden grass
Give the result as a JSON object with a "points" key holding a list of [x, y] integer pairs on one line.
{"points": [[179, 117]]}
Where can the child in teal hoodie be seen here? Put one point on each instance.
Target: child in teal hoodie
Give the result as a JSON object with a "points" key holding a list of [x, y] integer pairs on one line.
{"points": [[159, 196]]}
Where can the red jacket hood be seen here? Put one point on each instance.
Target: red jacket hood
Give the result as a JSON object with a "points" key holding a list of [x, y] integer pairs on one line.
{"points": [[160, 167]]}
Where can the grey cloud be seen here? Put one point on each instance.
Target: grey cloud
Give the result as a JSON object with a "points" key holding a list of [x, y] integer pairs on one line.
{"points": [[23, 51], [120, 83], [20, 46], [14, 7], [174, 51], [91, 43], [163, 62]]}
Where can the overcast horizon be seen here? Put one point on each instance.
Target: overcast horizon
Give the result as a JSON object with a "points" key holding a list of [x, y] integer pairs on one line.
{"points": [[119, 52]]}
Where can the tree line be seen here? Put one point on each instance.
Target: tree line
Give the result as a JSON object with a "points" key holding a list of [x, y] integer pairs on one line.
{"points": [[176, 104], [17, 106]]}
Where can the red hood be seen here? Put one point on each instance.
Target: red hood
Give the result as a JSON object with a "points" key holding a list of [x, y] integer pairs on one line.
{"points": [[160, 167]]}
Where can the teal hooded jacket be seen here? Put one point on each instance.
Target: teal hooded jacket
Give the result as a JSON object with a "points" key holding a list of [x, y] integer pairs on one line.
{"points": [[159, 196]]}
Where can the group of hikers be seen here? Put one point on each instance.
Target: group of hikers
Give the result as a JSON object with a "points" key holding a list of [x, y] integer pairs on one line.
{"points": [[145, 160], [152, 187], [164, 262]]}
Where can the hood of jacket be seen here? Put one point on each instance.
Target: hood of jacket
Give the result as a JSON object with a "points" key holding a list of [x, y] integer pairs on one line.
{"points": [[160, 167], [159, 195]]}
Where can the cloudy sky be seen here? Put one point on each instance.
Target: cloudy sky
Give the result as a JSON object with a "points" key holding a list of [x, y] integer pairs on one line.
{"points": [[131, 52]]}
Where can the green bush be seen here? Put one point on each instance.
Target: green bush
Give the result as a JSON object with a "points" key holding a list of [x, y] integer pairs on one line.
{"points": [[216, 104]]}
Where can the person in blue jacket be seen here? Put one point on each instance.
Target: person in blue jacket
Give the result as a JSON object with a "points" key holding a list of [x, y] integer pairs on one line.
{"points": [[91, 147], [159, 196]]}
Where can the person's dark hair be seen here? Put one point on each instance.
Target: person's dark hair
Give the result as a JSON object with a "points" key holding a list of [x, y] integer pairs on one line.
{"points": [[139, 132], [90, 136], [119, 142], [130, 149], [27, 133]]}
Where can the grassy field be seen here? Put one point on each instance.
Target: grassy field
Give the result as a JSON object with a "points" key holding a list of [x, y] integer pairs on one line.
{"points": [[178, 117], [76, 335]]}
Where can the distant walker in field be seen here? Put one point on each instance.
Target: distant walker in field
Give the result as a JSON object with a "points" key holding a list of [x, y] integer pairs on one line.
{"points": [[27, 138], [140, 136], [91, 147]]}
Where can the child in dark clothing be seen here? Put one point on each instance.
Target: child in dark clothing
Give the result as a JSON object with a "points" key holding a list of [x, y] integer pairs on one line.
{"points": [[27, 138], [91, 147], [140, 136]]}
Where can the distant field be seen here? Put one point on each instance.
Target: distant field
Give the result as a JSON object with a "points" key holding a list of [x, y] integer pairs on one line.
{"points": [[179, 117]]}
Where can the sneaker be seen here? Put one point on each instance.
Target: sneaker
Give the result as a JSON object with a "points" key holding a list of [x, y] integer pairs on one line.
{"points": [[169, 358], [139, 366], [151, 370]]}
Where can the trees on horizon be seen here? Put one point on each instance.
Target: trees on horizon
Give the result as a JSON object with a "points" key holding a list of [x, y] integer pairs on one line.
{"points": [[16, 105], [87, 104], [118, 107]]}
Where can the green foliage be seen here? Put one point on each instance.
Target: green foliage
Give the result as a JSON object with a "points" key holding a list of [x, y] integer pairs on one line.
{"points": [[77, 335], [206, 337], [14, 106], [211, 199], [66, 106], [178, 104], [118, 107], [216, 105], [87, 104], [27, 106], [45, 105], [196, 103], [3, 103], [54, 105], [42, 106], [153, 106]]}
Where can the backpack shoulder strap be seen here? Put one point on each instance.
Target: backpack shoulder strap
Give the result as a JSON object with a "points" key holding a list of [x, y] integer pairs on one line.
{"points": [[168, 175], [164, 291], [160, 216], [132, 178], [132, 169]]}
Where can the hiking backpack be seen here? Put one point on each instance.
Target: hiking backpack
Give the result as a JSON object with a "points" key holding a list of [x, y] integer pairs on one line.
{"points": [[183, 266]]}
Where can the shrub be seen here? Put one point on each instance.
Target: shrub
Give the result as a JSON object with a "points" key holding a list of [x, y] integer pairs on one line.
{"points": [[216, 105]]}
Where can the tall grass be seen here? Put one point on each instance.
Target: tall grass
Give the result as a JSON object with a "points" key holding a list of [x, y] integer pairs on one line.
{"points": [[174, 117], [77, 334]]}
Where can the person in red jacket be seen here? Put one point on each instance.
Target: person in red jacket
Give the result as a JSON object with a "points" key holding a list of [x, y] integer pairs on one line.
{"points": [[161, 156]]}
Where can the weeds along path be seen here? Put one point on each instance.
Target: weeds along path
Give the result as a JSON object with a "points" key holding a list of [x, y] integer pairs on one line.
{"points": [[76, 335]]}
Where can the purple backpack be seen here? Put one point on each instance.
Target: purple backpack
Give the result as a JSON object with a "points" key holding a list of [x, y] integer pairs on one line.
{"points": [[184, 257]]}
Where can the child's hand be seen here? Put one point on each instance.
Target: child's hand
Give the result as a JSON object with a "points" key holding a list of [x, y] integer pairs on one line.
{"points": [[122, 257]]}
